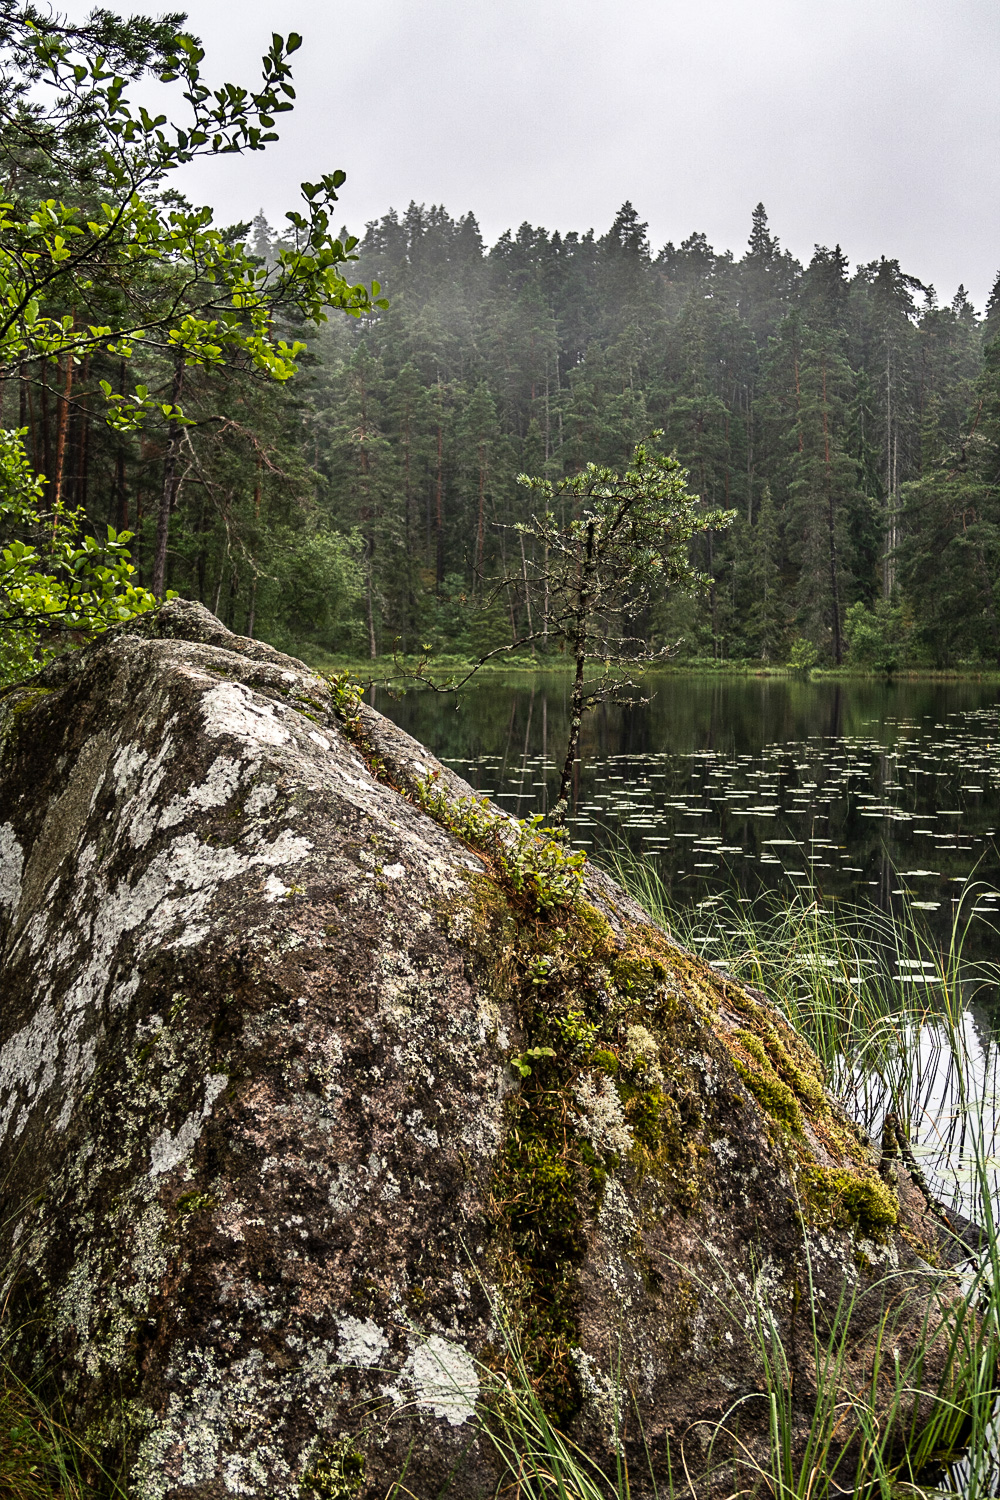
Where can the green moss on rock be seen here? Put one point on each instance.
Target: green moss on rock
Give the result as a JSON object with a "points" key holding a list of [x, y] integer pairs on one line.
{"points": [[774, 1097], [851, 1200]]}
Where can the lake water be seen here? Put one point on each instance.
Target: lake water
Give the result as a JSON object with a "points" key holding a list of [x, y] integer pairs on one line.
{"points": [[874, 792]]}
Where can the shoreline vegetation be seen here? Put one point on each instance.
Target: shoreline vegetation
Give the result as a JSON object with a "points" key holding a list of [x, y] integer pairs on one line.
{"points": [[422, 671]]}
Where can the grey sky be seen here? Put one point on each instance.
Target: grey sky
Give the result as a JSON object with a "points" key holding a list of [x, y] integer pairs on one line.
{"points": [[871, 122]]}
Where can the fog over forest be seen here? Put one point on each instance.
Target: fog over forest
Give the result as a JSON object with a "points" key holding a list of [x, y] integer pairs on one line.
{"points": [[851, 422]]}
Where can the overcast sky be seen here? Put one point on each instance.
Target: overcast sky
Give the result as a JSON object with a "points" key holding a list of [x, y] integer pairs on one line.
{"points": [[871, 122]]}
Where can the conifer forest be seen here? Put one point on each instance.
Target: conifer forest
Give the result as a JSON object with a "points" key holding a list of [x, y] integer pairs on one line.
{"points": [[370, 504]]}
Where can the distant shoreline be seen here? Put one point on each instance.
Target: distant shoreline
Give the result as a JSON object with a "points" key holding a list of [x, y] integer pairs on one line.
{"points": [[386, 668]]}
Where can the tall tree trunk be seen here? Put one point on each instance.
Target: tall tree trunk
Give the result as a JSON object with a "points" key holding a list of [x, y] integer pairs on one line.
{"points": [[749, 430], [477, 572], [713, 596], [545, 599], [527, 593], [62, 427], [838, 650], [171, 480], [121, 489], [257, 493], [367, 518], [83, 459], [137, 550], [46, 435], [234, 588], [407, 480], [887, 564], [218, 584], [439, 512]]}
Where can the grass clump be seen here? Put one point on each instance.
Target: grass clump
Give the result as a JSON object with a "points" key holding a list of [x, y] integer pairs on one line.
{"points": [[42, 1457]]}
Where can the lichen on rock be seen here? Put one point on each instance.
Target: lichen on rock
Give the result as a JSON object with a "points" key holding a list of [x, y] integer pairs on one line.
{"points": [[276, 1199]]}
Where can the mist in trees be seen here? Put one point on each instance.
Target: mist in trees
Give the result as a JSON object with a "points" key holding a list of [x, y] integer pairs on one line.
{"points": [[850, 421], [370, 505]]}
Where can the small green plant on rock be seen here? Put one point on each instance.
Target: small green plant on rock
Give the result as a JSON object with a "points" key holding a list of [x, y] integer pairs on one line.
{"points": [[346, 693], [337, 1474], [532, 864], [521, 1062]]}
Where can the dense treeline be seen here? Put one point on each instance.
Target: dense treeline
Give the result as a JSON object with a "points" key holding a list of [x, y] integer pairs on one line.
{"points": [[851, 422]]}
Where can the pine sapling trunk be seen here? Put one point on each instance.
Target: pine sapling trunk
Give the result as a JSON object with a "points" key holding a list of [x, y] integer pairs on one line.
{"points": [[584, 604]]}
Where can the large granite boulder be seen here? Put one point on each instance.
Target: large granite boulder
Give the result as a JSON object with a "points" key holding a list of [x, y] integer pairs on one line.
{"points": [[325, 1097]]}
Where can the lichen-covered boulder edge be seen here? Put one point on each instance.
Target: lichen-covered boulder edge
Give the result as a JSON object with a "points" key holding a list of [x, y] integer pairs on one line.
{"points": [[277, 1198]]}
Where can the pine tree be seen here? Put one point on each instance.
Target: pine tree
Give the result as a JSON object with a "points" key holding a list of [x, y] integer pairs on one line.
{"points": [[767, 623], [991, 322]]}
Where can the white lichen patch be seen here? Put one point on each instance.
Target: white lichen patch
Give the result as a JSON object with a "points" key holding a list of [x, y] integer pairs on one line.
{"points": [[641, 1046], [27, 1067], [229, 708], [205, 1429], [262, 796], [178, 886], [602, 1394], [361, 1343], [760, 1297], [170, 1150], [344, 1194], [137, 778], [444, 1380], [601, 1120], [11, 866], [168, 903], [219, 787], [723, 1150], [615, 1219]]}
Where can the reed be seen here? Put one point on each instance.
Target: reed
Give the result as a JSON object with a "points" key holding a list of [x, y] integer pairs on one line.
{"points": [[902, 1023]]}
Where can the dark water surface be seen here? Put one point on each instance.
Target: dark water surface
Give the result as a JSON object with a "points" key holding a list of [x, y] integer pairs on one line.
{"points": [[866, 791]]}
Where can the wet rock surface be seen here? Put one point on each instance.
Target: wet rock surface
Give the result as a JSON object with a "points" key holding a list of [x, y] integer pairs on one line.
{"points": [[274, 1196]]}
